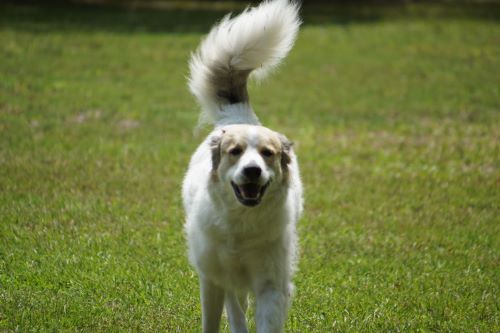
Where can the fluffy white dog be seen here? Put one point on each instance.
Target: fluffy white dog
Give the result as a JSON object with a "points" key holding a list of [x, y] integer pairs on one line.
{"points": [[242, 192]]}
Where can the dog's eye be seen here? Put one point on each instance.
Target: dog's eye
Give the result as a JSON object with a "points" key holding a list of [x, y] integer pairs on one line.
{"points": [[267, 152], [236, 151]]}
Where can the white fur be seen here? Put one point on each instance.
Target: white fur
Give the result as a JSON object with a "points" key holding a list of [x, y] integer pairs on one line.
{"points": [[258, 40], [238, 249]]}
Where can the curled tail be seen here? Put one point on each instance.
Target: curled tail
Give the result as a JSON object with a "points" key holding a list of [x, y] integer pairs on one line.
{"points": [[253, 42]]}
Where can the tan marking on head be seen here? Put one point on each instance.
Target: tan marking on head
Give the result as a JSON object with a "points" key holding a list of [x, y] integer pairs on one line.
{"points": [[215, 149], [269, 147], [234, 139]]}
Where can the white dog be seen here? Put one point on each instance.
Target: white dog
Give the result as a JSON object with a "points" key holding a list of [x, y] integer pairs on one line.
{"points": [[242, 192]]}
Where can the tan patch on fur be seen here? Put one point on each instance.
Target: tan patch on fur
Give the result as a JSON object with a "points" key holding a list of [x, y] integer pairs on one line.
{"points": [[233, 139], [239, 136]]}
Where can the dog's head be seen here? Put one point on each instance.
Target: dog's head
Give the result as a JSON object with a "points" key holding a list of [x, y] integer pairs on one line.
{"points": [[248, 160]]}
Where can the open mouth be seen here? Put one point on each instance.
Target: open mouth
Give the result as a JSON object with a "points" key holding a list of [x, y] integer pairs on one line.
{"points": [[249, 194]]}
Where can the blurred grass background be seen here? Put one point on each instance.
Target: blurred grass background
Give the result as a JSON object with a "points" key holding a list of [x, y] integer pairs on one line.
{"points": [[394, 107]]}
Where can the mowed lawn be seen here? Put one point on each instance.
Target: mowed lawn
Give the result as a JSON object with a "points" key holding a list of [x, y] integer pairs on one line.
{"points": [[395, 116]]}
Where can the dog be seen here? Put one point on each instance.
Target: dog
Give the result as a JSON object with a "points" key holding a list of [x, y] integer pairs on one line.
{"points": [[242, 193]]}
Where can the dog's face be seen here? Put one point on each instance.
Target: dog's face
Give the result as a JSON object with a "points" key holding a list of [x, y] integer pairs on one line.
{"points": [[248, 160]]}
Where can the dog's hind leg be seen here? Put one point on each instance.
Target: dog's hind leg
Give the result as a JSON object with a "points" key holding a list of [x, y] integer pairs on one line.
{"points": [[235, 307], [212, 300]]}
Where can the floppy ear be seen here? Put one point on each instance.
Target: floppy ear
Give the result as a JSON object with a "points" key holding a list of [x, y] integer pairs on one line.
{"points": [[215, 142], [286, 148]]}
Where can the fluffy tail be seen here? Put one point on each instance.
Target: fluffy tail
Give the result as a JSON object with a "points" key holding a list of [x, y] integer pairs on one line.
{"points": [[254, 41]]}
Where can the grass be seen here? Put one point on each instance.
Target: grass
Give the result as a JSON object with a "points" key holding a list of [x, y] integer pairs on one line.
{"points": [[395, 112]]}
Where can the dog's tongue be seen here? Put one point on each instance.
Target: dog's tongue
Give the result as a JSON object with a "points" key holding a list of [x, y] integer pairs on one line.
{"points": [[250, 191]]}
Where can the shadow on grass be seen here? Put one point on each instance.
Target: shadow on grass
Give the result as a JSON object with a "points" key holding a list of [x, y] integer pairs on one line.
{"points": [[58, 16], [197, 17]]}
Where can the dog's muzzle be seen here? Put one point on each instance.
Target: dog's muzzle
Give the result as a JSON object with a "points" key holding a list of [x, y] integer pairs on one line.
{"points": [[250, 194]]}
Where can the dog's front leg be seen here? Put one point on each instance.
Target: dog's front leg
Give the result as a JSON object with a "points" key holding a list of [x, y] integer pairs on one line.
{"points": [[271, 308], [235, 308], [212, 300]]}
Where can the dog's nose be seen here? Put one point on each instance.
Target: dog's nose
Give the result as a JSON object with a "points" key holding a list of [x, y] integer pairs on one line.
{"points": [[252, 172]]}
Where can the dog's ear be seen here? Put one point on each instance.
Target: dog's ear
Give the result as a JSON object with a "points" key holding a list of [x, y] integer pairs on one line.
{"points": [[286, 149], [215, 142]]}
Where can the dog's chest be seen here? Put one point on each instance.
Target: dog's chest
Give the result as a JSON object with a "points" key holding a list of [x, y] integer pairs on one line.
{"points": [[235, 255], [235, 250], [231, 263], [237, 246]]}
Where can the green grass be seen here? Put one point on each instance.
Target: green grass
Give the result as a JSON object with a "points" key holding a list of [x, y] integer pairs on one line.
{"points": [[395, 114]]}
